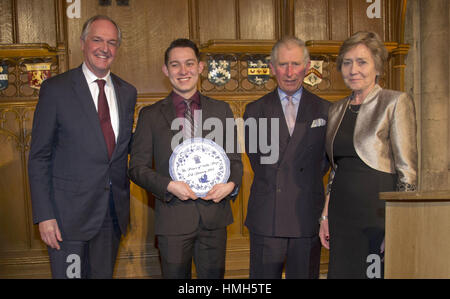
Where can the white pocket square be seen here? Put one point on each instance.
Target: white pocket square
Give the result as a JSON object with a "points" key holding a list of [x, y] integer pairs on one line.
{"points": [[319, 122]]}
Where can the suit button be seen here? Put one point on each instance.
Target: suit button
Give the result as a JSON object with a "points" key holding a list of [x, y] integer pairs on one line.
{"points": [[301, 169], [278, 190]]}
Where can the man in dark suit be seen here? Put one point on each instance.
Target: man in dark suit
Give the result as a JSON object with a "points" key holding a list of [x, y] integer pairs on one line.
{"points": [[78, 159], [287, 193], [186, 226]]}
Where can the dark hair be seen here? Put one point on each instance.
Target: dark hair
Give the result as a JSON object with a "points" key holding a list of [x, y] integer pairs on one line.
{"points": [[91, 20], [181, 43]]}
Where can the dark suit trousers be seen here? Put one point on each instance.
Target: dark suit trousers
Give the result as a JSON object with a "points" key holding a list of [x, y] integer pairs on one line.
{"points": [[268, 255], [207, 247], [89, 259]]}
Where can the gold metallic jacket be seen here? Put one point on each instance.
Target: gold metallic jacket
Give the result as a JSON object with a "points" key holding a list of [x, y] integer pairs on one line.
{"points": [[384, 136]]}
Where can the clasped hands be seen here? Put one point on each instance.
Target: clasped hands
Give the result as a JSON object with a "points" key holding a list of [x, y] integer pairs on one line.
{"points": [[184, 192]]}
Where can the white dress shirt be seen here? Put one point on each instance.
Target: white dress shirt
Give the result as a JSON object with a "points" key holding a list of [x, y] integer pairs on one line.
{"points": [[110, 96]]}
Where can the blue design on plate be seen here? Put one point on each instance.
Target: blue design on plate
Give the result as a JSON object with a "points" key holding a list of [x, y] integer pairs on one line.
{"points": [[201, 163]]}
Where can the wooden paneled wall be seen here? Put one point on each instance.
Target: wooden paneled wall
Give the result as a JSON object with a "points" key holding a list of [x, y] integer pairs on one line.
{"points": [[40, 29]]}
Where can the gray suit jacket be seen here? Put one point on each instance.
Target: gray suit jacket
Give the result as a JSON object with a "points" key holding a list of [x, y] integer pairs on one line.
{"points": [[287, 197], [149, 168], [69, 169]]}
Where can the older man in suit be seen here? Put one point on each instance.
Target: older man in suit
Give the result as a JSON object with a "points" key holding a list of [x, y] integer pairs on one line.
{"points": [[79, 156], [287, 195], [186, 226]]}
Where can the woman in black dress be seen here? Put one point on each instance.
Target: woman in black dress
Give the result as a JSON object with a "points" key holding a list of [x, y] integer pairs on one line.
{"points": [[371, 143]]}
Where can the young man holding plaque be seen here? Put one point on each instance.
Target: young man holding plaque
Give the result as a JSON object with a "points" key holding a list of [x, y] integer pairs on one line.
{"points": [[187, 226]]}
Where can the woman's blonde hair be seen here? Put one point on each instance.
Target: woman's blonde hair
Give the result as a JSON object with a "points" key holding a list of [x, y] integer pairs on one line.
{"points": [[372, 41]]}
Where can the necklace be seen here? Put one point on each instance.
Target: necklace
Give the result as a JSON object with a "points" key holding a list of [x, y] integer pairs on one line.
{"points": [[351, 109]]}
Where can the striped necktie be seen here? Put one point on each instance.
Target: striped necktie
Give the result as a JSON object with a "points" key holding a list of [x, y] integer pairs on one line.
{"points": [[189, 120]]}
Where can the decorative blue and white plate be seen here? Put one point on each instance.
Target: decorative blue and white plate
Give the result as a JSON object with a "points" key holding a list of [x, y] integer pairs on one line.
{"points": [[201, 163]]}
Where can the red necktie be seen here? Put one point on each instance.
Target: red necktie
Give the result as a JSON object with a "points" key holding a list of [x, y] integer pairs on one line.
{"points": [[104, 117]]}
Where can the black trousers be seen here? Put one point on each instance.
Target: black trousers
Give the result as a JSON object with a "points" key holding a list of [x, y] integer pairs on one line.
{"points": [[207, 247], [268, 256], [88, 259]]}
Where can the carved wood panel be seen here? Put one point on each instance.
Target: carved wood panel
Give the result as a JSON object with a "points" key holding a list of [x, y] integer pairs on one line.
{"points": [[250, 27]]}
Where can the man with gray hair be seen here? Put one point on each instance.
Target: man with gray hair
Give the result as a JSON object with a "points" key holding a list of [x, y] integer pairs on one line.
{"points": [[82, 127], [286, 196]]}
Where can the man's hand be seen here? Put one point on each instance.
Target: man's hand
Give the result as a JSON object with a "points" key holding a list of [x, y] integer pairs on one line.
{"points": [[324, 234], [181, 190], [50, 233], [219, 192]]}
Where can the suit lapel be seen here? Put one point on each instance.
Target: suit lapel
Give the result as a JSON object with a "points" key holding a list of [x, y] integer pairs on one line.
{"points": [[206, 107], [207, 110], [304, 110], [168, 112], [83, 95], [273, 109], [297, 143], [120, 110]]}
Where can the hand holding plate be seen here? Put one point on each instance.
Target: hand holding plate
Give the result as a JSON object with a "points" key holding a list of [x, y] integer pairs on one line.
{"points": [[181, 190], [201, 164], [219, 192]]}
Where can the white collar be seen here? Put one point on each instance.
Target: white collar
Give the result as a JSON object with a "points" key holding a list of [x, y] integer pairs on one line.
{"points": [[91, 77], [295, 98]]}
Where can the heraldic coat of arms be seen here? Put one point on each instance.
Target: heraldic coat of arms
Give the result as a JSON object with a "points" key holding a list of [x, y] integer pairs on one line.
{"points": [[219, 71], [258, 71], [3, 76], [314, 75]]}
